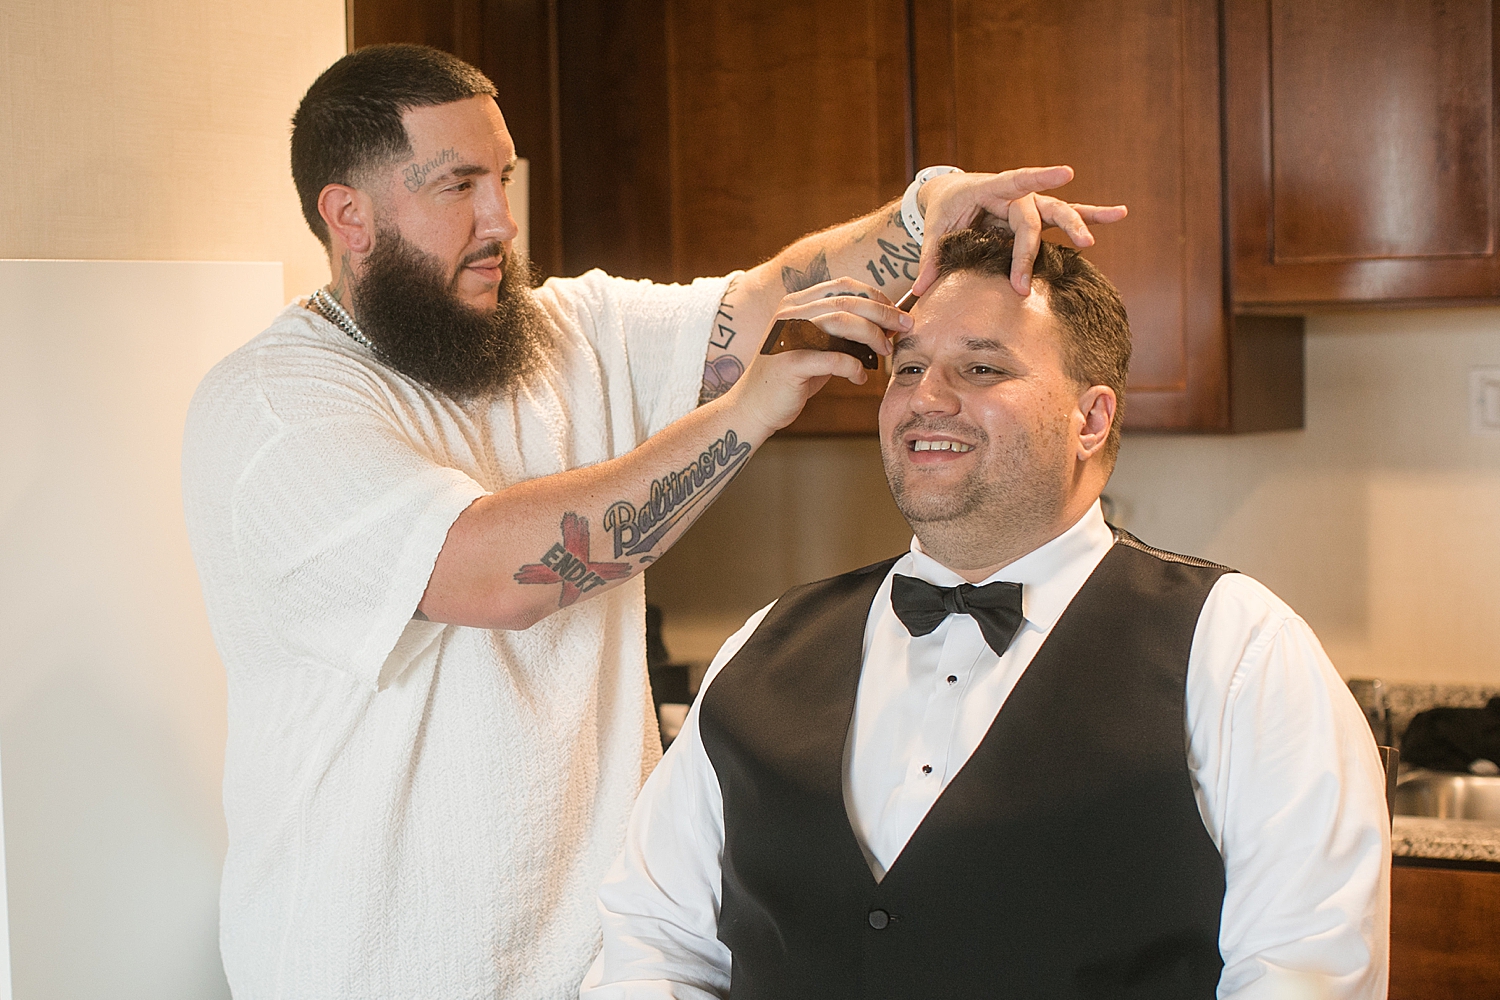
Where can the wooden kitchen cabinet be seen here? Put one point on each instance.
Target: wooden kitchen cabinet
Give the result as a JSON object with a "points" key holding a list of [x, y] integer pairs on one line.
{"points": [[1361, 151], [1128, 94], [1444, 926], [742, 125]]}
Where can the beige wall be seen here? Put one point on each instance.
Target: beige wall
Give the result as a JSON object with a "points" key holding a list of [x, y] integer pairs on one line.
{"points": [[1380, 522], [135, 130], [157, 129]]}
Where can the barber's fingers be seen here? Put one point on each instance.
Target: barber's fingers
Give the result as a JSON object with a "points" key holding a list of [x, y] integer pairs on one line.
{"points": [[863, 320], [1010, 184], [833, 289], [806, 367], [1026, 222], [1074, 219]]}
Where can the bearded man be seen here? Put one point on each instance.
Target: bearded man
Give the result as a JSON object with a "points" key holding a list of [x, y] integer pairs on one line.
{"points": [[1033, 756], [420, 505]]}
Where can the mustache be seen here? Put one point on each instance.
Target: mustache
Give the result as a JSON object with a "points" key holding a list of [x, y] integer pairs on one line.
{"points": [[492, 249], [940, 425]]}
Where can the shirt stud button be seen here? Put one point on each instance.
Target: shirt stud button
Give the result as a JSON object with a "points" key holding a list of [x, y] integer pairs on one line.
{"points": [[926, 768], [952, 678], [879, 919]]}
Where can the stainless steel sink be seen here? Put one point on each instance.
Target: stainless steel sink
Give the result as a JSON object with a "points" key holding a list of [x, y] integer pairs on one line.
{"points": [[1448, 796]]}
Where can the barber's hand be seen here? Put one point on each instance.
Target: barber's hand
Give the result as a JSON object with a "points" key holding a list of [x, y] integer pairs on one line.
{"points": [[1010, 200], [774, 390]]}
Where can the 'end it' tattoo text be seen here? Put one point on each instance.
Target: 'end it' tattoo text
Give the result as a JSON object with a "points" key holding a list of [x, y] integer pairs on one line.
{"points": [[567, 563]]}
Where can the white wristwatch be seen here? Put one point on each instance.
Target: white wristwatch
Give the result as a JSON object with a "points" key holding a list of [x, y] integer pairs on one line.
{"points": [[911, 215]]}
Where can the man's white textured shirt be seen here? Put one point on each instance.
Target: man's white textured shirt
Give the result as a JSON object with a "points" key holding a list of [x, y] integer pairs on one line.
{"points": [[414, 809], [1285, 773]]}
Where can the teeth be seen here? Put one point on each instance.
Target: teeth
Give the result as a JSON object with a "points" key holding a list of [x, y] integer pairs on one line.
{"points": [[941, 446]]}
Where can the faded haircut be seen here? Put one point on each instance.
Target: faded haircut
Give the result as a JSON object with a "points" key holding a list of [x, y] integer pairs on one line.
{"points": [[1096, 334], [349, 121]]}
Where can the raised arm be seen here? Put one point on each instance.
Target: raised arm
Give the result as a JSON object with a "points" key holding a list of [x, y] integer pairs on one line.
{"points": [[877, 249], [515, 556]]}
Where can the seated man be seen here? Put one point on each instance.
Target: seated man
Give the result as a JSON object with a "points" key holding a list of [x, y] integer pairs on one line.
{"points": [[1033, 757]]}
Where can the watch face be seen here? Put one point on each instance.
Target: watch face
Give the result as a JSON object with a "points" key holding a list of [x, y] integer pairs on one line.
{"points": [[805, 335]]}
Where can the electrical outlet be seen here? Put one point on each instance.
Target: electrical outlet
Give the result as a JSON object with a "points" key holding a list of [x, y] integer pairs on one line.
{"points": [[1484, 401]]}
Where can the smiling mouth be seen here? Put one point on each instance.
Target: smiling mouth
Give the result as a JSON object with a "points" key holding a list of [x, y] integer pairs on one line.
{"points": [[954, 446]]}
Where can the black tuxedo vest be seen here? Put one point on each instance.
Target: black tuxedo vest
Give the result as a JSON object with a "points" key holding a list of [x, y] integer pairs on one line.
{"points": [[1066, 858]]}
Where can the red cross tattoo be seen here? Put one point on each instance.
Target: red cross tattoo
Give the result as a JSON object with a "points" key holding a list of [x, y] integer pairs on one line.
{"points": [[568, 563]]}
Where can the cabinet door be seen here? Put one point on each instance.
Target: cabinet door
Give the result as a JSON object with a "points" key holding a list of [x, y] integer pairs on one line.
{"points": [[1126, 91], [787, 116], [1443, 925], [1361, 141]]}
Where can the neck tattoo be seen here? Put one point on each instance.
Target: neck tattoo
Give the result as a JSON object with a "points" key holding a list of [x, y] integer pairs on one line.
{"points": [[328, 307]]}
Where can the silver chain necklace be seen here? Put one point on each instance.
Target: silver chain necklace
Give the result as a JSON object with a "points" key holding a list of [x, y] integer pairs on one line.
{"points": [[330, 309]]}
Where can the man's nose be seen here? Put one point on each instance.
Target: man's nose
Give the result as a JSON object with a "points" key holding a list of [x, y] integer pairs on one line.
{"points": [[492, 216], [934, 394]]}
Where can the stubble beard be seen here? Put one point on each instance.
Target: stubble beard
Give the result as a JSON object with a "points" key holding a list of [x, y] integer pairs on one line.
{"points": [[1012, 494], [408, 307]]}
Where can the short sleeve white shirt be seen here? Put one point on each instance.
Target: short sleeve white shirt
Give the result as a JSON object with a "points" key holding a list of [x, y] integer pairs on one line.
{"points": [[417, 809]]}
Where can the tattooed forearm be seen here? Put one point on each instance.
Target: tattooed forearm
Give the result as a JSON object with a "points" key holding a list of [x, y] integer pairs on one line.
{"points": [[898, 220], [567, 563], [817, 270], [718, 376], [673, 496], [723, 334], [897, 262], [636, 530], [415, 174]]}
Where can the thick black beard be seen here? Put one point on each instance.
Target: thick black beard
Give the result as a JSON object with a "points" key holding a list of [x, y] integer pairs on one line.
{"points": [[407, 307]]}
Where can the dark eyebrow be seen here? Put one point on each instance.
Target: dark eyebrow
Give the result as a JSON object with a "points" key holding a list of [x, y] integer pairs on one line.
{"points": [[979, 344]]}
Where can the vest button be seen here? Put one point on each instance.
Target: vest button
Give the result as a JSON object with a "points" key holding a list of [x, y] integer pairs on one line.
{"points": [[879, 919]]}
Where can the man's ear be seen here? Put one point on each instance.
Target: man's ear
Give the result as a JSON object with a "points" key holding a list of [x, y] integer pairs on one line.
{"points": [[1096, 405], [349, 214]]}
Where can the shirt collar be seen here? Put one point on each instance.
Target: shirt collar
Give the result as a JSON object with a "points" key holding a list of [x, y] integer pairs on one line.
{"points": [[1051, 574]]}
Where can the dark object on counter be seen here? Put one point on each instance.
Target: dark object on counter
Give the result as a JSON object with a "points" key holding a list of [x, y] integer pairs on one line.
{"points": [[656, 649], [1450, 739], [669, 685], [805, 335]]}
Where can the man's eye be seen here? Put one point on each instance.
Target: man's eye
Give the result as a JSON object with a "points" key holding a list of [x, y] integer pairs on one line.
{"points": [[909, 369], [507, 180], [461, 186]]}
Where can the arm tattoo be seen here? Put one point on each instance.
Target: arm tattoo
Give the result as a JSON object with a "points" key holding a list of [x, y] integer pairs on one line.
{"points": [[898, 218], [817, 270], [722, 372], [415, 174], [567, 563], [718, 375], [636, 530], [673, 496], [723, 334], [896, 261]]}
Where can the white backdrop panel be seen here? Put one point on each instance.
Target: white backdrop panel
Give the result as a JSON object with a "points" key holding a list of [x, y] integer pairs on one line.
{"points": [[111, 693]]}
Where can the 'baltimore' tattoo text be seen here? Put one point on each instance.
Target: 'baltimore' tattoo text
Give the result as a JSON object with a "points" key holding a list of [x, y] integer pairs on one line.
{"points": [[673, 496]]}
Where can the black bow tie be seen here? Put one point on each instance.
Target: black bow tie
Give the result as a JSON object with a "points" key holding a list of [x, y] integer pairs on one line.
{"points": [[922, 606]]}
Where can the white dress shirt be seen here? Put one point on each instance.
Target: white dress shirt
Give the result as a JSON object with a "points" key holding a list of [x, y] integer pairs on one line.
{"points": [[1286, 777]]}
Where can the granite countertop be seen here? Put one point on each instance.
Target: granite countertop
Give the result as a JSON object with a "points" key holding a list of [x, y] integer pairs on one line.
{"points": [[1447, 839]]}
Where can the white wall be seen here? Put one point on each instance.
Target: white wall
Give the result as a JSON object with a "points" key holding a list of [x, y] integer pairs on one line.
{"points": [[1379, 522], [111, 693], [136, 130]]}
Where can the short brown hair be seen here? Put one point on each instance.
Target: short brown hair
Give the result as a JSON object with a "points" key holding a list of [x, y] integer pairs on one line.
{"points": [[1096, 341]]}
